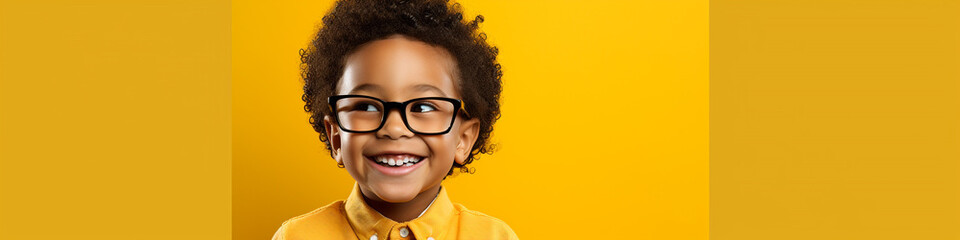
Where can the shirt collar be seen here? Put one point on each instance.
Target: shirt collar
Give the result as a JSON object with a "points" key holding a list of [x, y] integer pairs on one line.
{"points": [[431, 223]]}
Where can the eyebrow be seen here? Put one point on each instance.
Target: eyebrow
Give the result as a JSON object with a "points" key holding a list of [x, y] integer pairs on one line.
{"points": [[426, 88], [366, 87]]}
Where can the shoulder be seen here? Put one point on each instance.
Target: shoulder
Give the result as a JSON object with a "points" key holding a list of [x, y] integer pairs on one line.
{"points": [[483, 225], [321, 222]]}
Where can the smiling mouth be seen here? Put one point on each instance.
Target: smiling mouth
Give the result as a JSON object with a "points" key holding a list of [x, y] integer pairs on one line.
{"points": [[396, 160]]}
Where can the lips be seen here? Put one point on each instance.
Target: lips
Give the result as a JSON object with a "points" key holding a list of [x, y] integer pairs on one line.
{"points": [[395, 159], [395, 164]]}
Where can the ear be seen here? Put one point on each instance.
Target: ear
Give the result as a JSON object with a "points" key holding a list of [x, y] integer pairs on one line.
{"points": [[333, 138], [466, 137]]}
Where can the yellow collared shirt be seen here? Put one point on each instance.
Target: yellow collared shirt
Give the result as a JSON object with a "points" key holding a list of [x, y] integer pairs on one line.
{"points": [[354, 219]]}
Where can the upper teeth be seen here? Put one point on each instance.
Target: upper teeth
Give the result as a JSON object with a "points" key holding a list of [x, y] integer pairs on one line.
{"points": [[393, 160]]}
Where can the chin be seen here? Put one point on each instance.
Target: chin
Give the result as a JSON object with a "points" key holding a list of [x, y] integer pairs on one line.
{"points": [[396, 192]]}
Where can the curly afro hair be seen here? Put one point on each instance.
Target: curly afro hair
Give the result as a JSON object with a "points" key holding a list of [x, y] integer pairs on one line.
{"points": [[352, 23]]}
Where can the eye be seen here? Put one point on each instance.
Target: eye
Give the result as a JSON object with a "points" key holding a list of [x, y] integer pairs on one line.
{"points": [[422, 107], [365, 107]]}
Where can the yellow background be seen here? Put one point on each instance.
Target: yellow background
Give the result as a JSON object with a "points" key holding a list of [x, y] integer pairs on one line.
{"points": [[834, 119], [603, 132], [828, 120], [114, 120]]}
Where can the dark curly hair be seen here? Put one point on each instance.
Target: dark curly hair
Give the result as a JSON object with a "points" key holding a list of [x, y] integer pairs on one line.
{"points": [[352, 23]]}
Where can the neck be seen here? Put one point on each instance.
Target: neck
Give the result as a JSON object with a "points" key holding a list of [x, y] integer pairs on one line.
{"points": [[404, 211]]}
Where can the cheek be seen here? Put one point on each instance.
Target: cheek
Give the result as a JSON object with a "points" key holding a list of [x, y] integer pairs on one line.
{"points": [[351, 150], [443, 148], [351, 145]]}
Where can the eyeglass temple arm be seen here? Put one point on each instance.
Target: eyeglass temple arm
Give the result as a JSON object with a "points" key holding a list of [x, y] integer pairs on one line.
{"points": [[463, 109]]}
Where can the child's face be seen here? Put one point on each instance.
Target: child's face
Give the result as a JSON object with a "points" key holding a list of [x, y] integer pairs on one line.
{"points": [[398, 69]]}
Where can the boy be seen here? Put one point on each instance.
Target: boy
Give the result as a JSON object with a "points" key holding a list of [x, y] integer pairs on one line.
{"points": [[402, 93]]}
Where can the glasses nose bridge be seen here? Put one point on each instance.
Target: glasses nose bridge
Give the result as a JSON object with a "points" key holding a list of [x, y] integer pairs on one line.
{"points": [[388, 108]]}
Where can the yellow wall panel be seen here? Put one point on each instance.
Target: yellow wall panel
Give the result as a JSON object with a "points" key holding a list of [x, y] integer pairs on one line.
{"points": [[835, 120], [114, 120], [603, 133]]}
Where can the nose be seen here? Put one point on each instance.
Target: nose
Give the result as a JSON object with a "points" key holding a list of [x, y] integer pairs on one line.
{"points": [[393, 127]]}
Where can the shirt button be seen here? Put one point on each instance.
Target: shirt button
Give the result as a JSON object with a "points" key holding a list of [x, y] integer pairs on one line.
{"points": [[430, 238], [404, 232], [374, 237]]}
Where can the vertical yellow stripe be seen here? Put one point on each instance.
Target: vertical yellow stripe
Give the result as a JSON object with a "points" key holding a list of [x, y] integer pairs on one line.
{"points": [[114, 120], [835, 120]]}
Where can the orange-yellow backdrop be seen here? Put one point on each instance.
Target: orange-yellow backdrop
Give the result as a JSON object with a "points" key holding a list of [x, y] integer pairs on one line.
{"points": [[828, 120], [603, 134]]}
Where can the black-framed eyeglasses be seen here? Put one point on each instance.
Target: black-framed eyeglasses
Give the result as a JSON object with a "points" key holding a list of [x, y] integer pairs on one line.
{"points": [[364, 114]]}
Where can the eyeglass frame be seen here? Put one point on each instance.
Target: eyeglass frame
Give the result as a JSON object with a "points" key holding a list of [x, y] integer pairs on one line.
{"points": [[400, 106]]}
